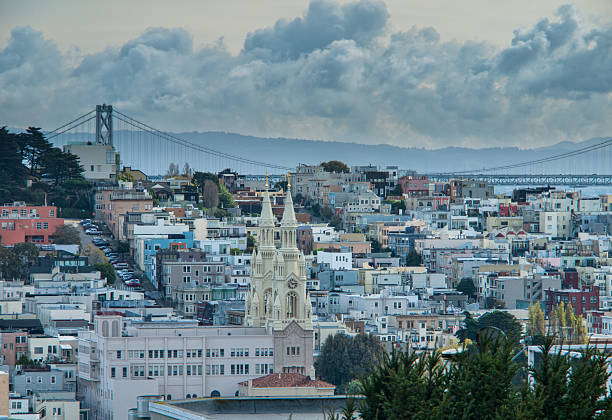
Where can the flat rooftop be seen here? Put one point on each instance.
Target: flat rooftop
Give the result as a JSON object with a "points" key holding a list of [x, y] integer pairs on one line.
{"points": [[269, 408]]}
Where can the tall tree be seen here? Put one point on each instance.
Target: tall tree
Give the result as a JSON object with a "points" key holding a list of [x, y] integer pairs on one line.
{"points": [[466, 286], [496, 320], [173, 170], [210, 195], [344, 358], [413, 259], [67, 235]]}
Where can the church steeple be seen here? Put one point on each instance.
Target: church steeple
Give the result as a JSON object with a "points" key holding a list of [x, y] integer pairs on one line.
{"points": [[288, 222], [266, 221]]}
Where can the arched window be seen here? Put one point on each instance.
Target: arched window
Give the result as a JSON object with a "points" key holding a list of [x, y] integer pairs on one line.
{"points": [[115, 329], [105, 329], [291, 305], [215, 394]]}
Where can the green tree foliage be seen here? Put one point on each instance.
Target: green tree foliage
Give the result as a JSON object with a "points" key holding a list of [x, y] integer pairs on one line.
{"points": [[536, 325], [15, 262], [335, 166], [497, 320], [344, 358], [566, 326], [27, 363], [226, 199], [107, 271], [67, 235], [466, 286], [200, 178], [397, 191], [9, 264], [26, 158], [123, 247], [326, 213], [481, 383], [281, 185], [413, 259], [250, 242]]}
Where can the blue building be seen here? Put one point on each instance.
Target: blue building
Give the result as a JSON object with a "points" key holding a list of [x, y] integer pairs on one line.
{"points": [[403, 242], [150, 246]]}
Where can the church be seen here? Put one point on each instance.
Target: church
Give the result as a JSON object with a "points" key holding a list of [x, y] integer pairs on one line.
{"points": [[278, 300]]}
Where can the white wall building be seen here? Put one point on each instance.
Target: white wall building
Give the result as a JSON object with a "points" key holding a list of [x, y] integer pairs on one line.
{"points": [[340, 260]]}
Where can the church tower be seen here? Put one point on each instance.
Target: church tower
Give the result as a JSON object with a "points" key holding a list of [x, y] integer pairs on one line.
{"points": [[278, 294]]}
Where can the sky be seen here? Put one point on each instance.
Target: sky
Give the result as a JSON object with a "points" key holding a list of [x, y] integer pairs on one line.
{"points": [[404, 72]]}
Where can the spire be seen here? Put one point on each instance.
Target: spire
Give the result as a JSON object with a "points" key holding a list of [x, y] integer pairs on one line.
{"points": [[289, 219], [267, 218]]}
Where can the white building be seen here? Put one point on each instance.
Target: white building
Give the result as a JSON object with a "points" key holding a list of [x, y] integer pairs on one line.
{"points": [[100, 161], [337, 260]]}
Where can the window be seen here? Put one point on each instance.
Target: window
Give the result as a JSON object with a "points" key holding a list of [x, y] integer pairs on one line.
{"points": [[125, 372], [118, 354], [45, 225], [112, 372]]}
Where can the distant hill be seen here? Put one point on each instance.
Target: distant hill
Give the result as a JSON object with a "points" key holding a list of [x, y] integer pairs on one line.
{"points": [[154, 158]]}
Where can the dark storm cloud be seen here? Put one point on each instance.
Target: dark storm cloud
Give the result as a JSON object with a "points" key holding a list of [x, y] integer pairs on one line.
{"points": [[336, 73]]}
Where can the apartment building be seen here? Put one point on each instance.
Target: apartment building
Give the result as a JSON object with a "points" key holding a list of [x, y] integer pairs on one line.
{"points": [[112, 204], [178, 359], [20, 223]]}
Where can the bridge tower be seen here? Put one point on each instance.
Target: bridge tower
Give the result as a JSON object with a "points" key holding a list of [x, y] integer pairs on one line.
{"points": [[104, 124]]}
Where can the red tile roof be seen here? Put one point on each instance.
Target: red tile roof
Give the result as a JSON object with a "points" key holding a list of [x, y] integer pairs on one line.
{"points": [[287, 380]]}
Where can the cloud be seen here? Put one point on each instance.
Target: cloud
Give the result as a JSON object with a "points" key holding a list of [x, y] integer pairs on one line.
{"points": [[338, 72]]}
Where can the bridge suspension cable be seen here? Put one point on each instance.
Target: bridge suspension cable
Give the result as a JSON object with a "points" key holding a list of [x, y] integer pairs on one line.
{"points": [[69, 127], [188, 144], [577, 152]]}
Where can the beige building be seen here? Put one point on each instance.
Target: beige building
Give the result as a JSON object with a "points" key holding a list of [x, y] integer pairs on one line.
{"points": [[100, 161], [285, 385]]}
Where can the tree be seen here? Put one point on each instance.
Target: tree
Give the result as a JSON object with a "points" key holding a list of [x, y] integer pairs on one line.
{"points": [[211, 195], [466, 286], [67, 235], [413, 259], [397, 191], [484, 381], [566, 326], [9, 264], [375, 246], [281, 185], [536, 327], [123, 247], [335, 166], [173, 170], [498, 320], [27, 254], [60, 166], [336, 222], [344, 358], [95, 255], [187, 171], [326, 213], [250, 242], [226, 198], [107, 271], [26, 362]]}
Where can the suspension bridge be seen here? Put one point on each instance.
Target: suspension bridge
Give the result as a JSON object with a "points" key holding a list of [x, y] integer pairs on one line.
{"points": [[142, 146]]}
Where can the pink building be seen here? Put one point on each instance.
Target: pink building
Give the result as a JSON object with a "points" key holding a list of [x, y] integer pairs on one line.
{"points": [[20, 223], [113, 204], [414, 186], [14, 345]]}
